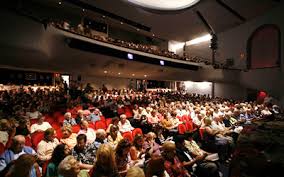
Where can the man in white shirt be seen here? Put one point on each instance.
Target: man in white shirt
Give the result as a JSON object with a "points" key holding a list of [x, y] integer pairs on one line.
{"points": [[40, 125], [89, 132]]}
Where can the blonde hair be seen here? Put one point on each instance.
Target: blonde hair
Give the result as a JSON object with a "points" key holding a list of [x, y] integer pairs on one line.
{"points": [[135, 172], [105, 159], [67, 128], [168, 146], [65, 166]]}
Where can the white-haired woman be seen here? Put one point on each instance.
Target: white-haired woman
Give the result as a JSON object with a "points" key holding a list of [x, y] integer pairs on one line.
{"points": [[69, 167], [68, 119]]}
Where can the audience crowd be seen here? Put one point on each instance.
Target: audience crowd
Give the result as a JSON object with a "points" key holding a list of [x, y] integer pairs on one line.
{"points": [[87, 132], [86, 31]]}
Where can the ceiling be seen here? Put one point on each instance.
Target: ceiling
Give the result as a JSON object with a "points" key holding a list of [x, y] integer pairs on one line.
{"points": [[181, 25], [185, 25]]}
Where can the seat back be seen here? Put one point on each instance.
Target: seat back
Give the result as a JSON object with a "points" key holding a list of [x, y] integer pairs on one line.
{"points": [[136, 131], [181, 129], [108, 121], [76, 128], [128, 135], [100, 125], [189, 126], [36, 138]]}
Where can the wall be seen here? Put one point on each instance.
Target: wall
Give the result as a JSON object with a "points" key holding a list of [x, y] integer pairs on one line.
{"points": [[223, 90], [109, 82], [233, 43], [230, 91]]}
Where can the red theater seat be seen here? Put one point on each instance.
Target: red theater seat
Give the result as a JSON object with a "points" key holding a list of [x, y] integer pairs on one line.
{"points": [[36, 138], [28, 141], [100, 125], [128, 135], [2, 148], [201, 133], [189, 126], [108, 121], [76, 128], [181, 129], [137, 131]]}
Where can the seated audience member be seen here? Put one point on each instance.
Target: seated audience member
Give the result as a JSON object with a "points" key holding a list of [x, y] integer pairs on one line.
{"points": [[24, 166], [68, 137], [69, 167], [122, 159], [173, 166], [169, 123], [215, 141], [105, 164], [68, 119], [192, 163], [266, 112], [40, 125], [46, 146], [135, 172], [23, 128], [100, 139], [59, 153], [114, 121], [33, 114], [150, 145], [114, 136], [153, 119], [80, 116], [156, 167], [137, 153], [95, 115], [89, 132], [17, 149], [84, 153], [4, 131], [124, 124]]}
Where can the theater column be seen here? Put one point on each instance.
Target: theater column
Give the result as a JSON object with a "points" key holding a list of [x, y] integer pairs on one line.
{"points": [[213, 90]]}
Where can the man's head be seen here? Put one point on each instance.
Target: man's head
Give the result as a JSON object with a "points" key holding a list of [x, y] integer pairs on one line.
{"points": [[81, 141], [49, 134], [179, 141], [100, 135], [84, 124], [67, 115], [18, 143], [40, 119]]}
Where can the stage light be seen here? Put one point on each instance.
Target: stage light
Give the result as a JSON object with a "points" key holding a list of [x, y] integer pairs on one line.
{"points": [[198, 40], [130, 56]]}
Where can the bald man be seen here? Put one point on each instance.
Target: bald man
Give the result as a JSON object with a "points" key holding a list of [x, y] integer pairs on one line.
{"points": [[17, 149]]}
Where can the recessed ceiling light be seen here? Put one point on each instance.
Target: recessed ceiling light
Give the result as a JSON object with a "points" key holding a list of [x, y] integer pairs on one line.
{"points": [[164, 4], [133, 74], [59, 2], [118, 73], [105, 71], [145, 75]]}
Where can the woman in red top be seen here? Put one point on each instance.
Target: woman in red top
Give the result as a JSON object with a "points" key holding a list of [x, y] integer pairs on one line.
{"points": [[172, 164]]}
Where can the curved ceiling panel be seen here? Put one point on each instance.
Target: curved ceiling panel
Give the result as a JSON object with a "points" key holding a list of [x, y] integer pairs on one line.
{"points": [[164, 4]]}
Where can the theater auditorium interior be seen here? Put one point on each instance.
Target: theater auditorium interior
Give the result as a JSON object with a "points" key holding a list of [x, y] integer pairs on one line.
{"points": [[141, 88]]}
